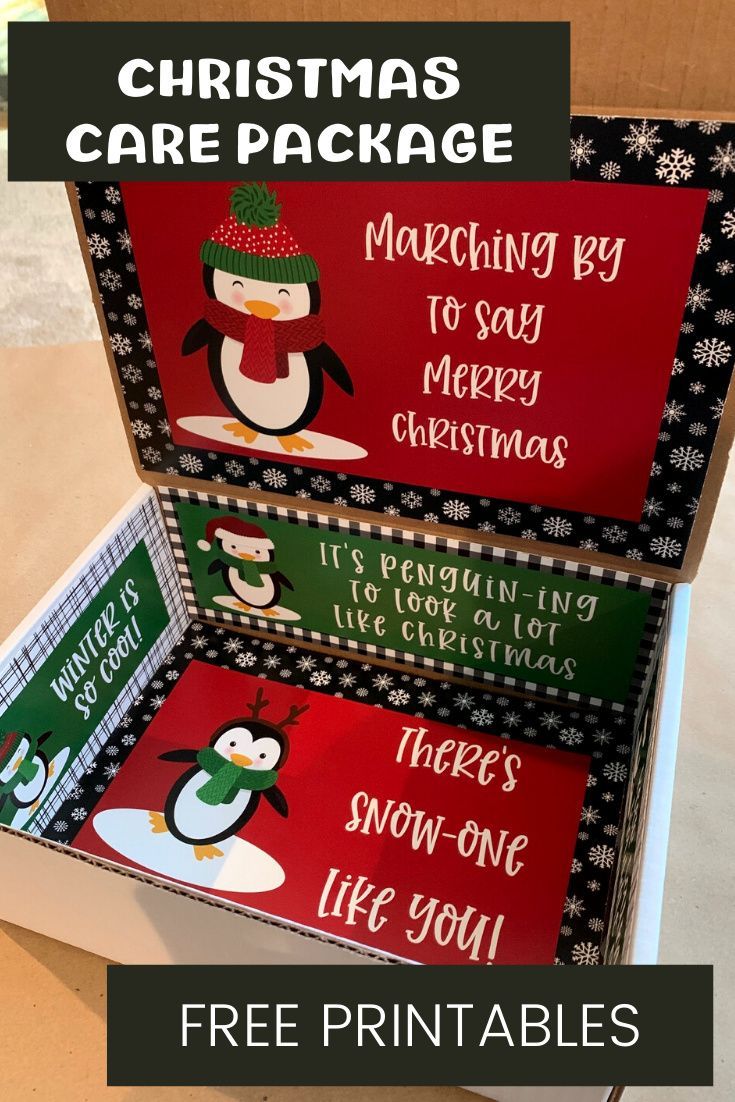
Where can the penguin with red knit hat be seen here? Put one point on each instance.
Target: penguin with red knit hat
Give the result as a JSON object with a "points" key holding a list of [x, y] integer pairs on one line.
{"points": [[253, 587], [261, 325]]}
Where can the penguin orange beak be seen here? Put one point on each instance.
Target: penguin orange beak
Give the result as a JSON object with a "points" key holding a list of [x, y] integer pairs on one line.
{"points": [[265, 310], [240, 759], [248, 558]]}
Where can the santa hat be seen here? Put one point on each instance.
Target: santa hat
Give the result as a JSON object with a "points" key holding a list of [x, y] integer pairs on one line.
{"points": [[253, 242], [237, 527], [9, 744]]}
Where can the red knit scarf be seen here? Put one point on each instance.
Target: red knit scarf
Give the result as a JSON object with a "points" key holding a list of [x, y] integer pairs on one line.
{"points": [[266, 344]]}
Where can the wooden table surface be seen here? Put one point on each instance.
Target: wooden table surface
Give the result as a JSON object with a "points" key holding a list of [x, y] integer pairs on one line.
{"points": [[66, 471]]}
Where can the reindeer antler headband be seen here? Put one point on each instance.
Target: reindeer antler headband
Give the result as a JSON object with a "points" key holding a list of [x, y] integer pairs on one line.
{"points": [[260, 703]]}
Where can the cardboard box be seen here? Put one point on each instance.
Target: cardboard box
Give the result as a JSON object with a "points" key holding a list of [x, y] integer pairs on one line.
{"points": [[662, 566], [124, 913]]}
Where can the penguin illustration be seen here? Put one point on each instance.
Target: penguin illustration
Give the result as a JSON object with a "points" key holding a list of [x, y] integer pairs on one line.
{"points": [[24, 770], [221, 792], [264, 334], [250, 548]]}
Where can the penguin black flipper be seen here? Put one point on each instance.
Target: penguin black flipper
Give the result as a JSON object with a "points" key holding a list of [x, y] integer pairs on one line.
{"points": [[281, 579], [277, 800], [178, 755], [218, 567], [42, 738], [199, 336], [327, 359]]}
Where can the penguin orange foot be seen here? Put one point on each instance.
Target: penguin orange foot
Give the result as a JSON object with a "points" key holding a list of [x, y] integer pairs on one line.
{"points": [[238, 429], [35, 805], [242, 606], [270, 611], [158, 822], [51, 768], [207, 852], [294, 444]]}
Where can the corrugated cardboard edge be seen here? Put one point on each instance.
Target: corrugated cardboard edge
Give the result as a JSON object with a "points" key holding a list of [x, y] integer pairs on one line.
{"points": [[79, 880], [618, 112], [711, 489]]}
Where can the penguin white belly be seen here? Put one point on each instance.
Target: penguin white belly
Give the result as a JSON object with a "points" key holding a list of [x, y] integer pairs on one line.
{"points": [[259, 596], [199, 821], [272, 406], [31, 790]]}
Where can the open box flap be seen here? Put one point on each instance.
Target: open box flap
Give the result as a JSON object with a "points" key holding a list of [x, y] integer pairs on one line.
{"points": [[76, 663], [573, 402]]}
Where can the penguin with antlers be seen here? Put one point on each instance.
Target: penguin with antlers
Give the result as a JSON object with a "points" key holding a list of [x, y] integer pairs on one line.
{"points": [[221, 792]]}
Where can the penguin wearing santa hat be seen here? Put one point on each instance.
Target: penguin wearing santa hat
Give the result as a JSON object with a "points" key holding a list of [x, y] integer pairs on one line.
{"points": [[249, 550], [261, 325]]}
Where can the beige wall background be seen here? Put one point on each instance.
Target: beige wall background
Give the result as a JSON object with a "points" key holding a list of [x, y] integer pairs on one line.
{"points": [[673, 55]]}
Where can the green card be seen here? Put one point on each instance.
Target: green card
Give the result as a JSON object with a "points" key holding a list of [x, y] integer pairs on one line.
{"points": [[530, 625], [85, 671]]}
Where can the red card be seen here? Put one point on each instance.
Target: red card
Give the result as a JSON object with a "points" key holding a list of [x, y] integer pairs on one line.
{"points": [[603, 349], [414, 838]]}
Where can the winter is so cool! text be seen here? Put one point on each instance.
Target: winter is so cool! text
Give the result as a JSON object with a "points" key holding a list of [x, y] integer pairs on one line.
{"points": [[100, 652]]}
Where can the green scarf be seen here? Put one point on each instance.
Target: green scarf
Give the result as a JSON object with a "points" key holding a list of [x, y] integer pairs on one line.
{"points": [[25, 772], [228, 779], [251, 572]]}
